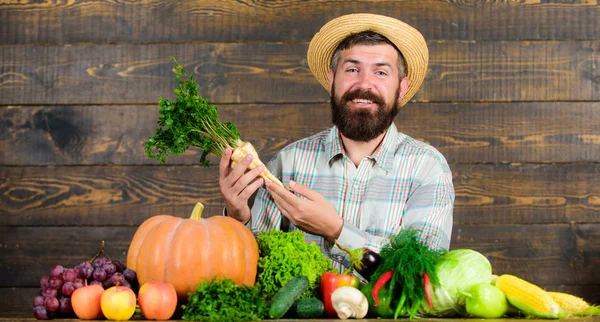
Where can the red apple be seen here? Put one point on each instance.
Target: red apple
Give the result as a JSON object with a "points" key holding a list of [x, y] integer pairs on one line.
{"points": [[86, 302], [118, 303], [157, 300]]}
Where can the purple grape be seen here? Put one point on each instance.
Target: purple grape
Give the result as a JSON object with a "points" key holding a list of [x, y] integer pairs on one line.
{"points": [[120, 267], [38, 301], [85, 264], [85, 272], [45, 282], [99, 275], [55, 282], [69, 275], [126, 284], [57, 271], [109, 268], [51, 304], [130, 275], [78, 283], [117, 279], [65, 305], [94, 282], [67, 289], [97, 263], [49, 292], [107, 283], [39, 312]]}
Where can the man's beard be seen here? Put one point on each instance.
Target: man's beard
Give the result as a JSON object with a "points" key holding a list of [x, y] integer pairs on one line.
{"points": [[359, 124]]}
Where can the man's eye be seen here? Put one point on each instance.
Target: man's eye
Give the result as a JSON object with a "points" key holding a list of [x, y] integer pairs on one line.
{"points": [[381, 73], [351, 70]]}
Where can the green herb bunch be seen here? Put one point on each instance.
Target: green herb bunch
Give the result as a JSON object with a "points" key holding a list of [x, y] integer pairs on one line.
{"points": [[189, 121], [222, 300], [408, 257], [285, 255]]}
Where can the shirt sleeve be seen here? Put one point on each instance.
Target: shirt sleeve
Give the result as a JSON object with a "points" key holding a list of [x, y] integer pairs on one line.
{"points": [[430, 207]]}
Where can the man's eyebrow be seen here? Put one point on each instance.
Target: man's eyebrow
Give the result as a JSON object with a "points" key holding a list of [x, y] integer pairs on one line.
{"points": [[350, 60], [384, 64], [355, 61]]}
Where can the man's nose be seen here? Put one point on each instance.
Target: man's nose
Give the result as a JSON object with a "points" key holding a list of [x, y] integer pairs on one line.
{"points": [[365, 81]]}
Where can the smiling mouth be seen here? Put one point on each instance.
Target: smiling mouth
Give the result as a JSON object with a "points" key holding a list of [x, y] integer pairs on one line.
{"points": [[362, 101]]}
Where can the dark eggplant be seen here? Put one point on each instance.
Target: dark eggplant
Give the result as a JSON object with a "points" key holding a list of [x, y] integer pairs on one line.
{"points": [[368, 263], [364, 260]]}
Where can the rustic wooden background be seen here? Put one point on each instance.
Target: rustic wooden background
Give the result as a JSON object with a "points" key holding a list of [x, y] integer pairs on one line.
{"points": [[512, 99]]}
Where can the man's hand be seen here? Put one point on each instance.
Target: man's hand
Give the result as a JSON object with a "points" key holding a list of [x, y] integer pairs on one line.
{"points": [[314, 215], [237, 185]]}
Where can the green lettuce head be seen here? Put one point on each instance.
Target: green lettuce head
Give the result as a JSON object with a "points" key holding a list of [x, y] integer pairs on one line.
{"points": [[457, 271]]}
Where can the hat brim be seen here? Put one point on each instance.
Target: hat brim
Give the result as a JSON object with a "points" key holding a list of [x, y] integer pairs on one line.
{"points": [[407, 39]]}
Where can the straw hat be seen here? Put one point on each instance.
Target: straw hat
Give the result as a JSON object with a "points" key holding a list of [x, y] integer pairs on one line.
{"points": [[407, 39]]}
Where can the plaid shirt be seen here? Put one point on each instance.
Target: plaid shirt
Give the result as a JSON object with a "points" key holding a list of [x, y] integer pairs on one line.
{"points": [[405, 183]]}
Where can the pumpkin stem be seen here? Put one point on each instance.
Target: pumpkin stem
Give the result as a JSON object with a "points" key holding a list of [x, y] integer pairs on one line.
{"points": [[197, 212]]}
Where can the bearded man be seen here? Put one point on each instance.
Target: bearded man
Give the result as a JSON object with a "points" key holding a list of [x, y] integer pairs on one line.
{"points": [[361, 181]]}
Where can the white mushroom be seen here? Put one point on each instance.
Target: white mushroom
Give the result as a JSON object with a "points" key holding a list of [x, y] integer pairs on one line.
{"points": [[349, 302]]}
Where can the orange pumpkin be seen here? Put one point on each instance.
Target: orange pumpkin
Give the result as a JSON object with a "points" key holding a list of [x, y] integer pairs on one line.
{"points": [[183, 252]]}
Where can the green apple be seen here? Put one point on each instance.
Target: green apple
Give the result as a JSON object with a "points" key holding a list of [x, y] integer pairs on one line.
{"points": [[485, 301]]}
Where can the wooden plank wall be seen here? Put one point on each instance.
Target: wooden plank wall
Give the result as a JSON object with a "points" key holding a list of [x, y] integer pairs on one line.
{"points": [[512, 99]]}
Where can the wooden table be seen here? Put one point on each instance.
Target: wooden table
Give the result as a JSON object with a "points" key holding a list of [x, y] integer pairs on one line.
{"points": [[28, 316]]}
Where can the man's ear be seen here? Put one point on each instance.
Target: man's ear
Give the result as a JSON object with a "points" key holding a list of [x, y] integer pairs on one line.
{"points": [[403, 88], [330, 76]]}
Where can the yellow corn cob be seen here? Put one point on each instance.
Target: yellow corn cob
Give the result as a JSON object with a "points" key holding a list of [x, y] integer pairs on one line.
{"points": [[529, 298], [573, 304]]}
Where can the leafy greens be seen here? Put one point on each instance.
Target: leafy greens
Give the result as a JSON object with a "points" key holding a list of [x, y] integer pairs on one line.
{"points": [[408, 257], [189, 121], [222, 300], [284, 255]]}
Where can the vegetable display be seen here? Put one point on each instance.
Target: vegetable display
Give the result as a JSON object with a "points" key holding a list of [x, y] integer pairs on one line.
{"points": [[192, 121], [285, 255], [184, 252]]}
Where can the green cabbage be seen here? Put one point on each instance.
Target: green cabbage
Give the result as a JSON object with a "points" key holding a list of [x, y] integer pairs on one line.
{"points": [[458, 270]]}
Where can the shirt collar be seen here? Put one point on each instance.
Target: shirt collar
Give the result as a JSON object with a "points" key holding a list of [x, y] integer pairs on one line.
{"points": [[383, 156], [333, 144]]}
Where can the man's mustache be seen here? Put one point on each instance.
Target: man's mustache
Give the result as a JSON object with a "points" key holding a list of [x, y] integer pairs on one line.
{"points": [[363, 94]]}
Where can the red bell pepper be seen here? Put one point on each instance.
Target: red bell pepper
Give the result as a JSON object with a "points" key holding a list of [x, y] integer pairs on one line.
{"points": [[331, 282]]}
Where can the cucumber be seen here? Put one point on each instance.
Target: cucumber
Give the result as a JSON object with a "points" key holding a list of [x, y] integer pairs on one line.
{"points": [[309, 307], [285, 297]]}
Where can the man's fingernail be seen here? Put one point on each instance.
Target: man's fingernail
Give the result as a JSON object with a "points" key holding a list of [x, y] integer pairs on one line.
{"points": [[292, 183], [248, 157], [261, 168]]}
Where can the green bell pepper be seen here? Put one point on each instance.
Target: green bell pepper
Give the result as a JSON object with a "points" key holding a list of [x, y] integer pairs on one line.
{"points": [[386, 308]]}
